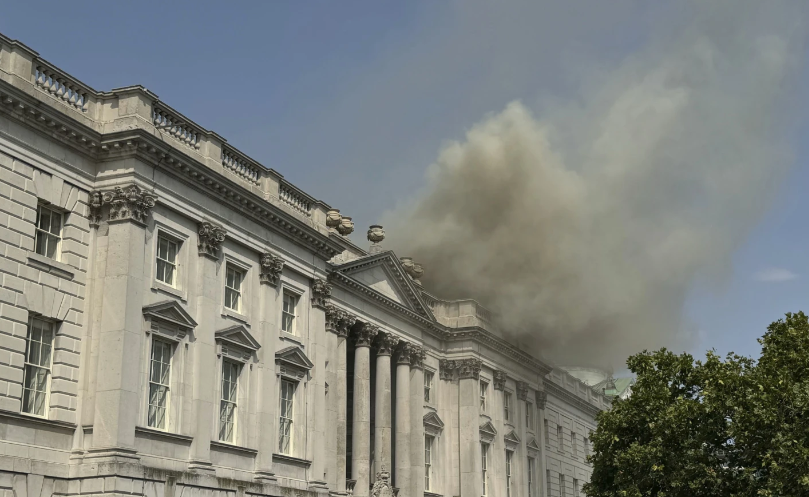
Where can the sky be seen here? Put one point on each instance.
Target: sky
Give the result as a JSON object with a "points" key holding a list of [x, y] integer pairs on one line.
{"points": [[354, 101]]}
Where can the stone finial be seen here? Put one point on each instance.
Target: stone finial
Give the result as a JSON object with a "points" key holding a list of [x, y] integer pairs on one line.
{"points": [[333, 218], [375, 235], [346, 226], [271, 267], [469, 369], [321, 293], [210, 238], [446, 369], [385, 343], [500, 380], [541, 398], [522, 390], [417, 356], [365, 334], [418, 272], [407, 264], [128, 204], [405, 352]]}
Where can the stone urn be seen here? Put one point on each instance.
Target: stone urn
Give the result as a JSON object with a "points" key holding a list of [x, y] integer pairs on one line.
{"points": [[346, 226], [407, 264], [418, 272], [333, 218], [376, 234]]}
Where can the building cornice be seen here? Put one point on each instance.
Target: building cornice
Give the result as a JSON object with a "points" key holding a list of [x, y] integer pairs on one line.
{"points": [[483, 337], [559, 392]]}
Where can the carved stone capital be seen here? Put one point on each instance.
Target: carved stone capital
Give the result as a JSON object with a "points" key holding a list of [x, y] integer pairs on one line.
{"points": [[446, 369], [404, 353], [469, 369], [128, 203], [500, 380], [321, 293], [417, 356], [385, 343], [271, 268], [365, 334], [332, 318], [344, 323], [522, 390], [541, 398], [210, 238], [350, 486], [95, 202]]}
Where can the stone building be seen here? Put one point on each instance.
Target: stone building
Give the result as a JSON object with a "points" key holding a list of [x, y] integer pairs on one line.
{"points": [[178, 320]]}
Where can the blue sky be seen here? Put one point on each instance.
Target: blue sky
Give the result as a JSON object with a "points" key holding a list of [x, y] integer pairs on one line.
{"points": [[352, 101]]}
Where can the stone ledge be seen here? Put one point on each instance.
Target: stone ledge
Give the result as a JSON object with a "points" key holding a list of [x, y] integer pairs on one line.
{"points": [[28, 418], [233, 448], [175, 437], [51, 266], [304, 463]]}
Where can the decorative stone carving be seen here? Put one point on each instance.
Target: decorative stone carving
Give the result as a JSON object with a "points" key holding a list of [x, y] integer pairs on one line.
{"points": [[385, 343], [332, 318], [350, 486], [468, 368], [375, 235], [522, 390], [346, 226], [417, 356], [500, 380], [407, 264], [344, 323], [365, 334], [382, 486], [271, 267], [418, 272], [541, 398], [321, 293], [446, 369], [404, 353], [95, 202], [210, 237], [333, 218], [126, 204]]}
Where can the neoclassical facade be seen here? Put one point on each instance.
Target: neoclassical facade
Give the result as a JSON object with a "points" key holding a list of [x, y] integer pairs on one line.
{"points": [[178, 320]]}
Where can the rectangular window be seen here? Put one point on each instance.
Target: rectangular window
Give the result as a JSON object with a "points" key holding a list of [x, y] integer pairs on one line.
{"points": [[547, 433], [233, 289], [586, 447], [227, 404], [484, 465], [166, 260], [428, 385], [38, 347], [285, 422], [509, 455], [484, 388], [548, 481], [159, 377], [573, 444], [529, 415], [288, 314], [575, 487], [531, 477], [507, 406], [428, 461], [560, 438], [48, 232], [562, 489]]}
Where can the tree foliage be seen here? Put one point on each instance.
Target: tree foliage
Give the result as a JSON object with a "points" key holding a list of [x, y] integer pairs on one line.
{"points": [[732, 427]]}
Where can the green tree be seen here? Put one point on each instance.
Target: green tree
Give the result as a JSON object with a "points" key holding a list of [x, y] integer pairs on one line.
{"points": [[732, 427]]}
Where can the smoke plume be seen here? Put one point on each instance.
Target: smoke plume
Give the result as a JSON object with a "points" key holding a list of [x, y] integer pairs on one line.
{"points": [[584, 224]]}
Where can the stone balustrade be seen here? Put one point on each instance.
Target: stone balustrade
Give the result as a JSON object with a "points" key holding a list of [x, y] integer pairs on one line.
{"points": [[69, 91], [177, 127], [295, 198], [241, 166]]}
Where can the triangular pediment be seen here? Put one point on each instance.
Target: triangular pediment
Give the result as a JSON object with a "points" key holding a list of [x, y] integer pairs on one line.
{"points": [[432, 420], [532, 444], [384, 274], [238, 336], [512, 437], [170, 311], [488, 429], [294, 356]]}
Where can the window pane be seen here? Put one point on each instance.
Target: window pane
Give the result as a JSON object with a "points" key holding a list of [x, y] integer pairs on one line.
{"points": [[56, 223], [44, 222]]}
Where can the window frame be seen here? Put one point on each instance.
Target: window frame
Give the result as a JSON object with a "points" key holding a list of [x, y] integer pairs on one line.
{"points": [[230, 365], [168, 396], [484, 395], [289, 420], [429, 377], [573, 446], [484, 466], [287, 292], [530, 420], [237, 270], [429, 441], [575, 487], [560, 437], [531, 475], [175, 265], [509, 472], [47, 233], [507, 406], [27, 364]]}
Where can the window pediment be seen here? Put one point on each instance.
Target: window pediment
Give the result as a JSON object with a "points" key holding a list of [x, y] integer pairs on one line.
{"points": [[293, 363], [169, 318], [487, 432], [433, 424], [236, 342], [512, 439], [533, 445]]}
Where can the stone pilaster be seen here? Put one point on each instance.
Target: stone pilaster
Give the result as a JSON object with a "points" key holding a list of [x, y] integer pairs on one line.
{"points": [[317, 441], [383, 429], [203, 348], [402, 463], [469, 426], [417, 357], [120, 329], [361, 429]]}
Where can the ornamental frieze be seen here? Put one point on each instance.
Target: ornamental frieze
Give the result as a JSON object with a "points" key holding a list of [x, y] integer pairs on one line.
{"points": [[271, 267]]}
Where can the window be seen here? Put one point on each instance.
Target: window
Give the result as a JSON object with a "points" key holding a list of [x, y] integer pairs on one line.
{"points": [[548, 481], [573, 443], [586, 447], [428, 461], [484, 464], [285, 424], [233, 289], [529, 415], [507, 406], [575, 487], [288, 314], [38, 346], [48, 232], [227, 405], [166, 260], [484, 388], [562, 489], [159, 377], [547, 433], [509, 455], [560, 438], [531, 477], [428, 385]]}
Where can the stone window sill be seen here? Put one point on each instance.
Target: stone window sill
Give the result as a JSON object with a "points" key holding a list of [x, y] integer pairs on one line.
{"points": [[32, 418], [164, 288], [283, 335], [154, 433], [51, 266], [291, 460], [234, 448], [238, 316]]}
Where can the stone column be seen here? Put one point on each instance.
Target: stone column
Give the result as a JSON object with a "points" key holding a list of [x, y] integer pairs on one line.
{"points": [[120, 330], [469, 426], [203, 348], [361, 437], [341, 322], [417, 421], [270, 276], [382, 410], [402, 463], [319, 297]]}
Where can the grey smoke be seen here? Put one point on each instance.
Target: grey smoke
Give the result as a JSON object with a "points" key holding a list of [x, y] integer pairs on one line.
{"points": [[585, 222]]}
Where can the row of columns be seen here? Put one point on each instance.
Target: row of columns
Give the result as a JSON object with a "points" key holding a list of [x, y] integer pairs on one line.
{"points": [[409, 429]]}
